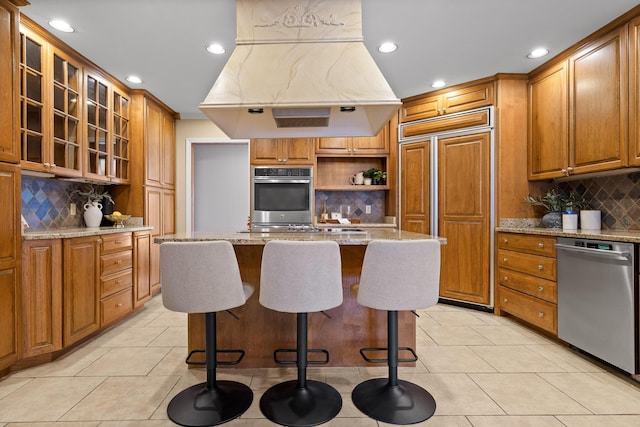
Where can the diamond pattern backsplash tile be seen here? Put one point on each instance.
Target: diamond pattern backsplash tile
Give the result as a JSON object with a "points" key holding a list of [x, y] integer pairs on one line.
{"points": [[352, 204], [618, 197], [45, 203]]}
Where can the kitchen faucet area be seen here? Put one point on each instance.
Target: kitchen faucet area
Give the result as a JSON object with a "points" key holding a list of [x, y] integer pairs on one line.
{"points": [[424, 235]]}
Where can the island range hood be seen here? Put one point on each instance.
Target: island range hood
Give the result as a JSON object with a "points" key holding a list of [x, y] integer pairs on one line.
{"points": [[300, 69]]}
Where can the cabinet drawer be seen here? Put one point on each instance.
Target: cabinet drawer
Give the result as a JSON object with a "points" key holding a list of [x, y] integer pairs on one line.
{"points": [[115, 262], [535, 265], [538, 245], [116, 242], [533, 310], [116, 306], [116, 282], [530, 285]]}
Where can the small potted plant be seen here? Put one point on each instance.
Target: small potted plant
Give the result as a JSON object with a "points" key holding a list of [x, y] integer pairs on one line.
{"points": [[379, 177], [93, 206], [554, 203]]}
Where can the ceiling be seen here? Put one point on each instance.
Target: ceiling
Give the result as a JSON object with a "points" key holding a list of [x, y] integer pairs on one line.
{"points": [[163, 41]]}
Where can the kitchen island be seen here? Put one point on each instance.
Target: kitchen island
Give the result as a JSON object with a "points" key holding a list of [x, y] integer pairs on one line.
{"points": [[260, 331]]}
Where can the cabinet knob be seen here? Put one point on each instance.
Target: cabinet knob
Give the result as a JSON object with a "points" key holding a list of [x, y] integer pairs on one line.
{"points": [[540, 288], [505, 241], [444, 111], [504, 260], [46, 164], [564, 171], [118, 281], [119, 305], [541, 245], [540, 267], [505, 300], [53, 165], [119, 262], [505, 278], [118, 242], [541, 315], [569, 169]]}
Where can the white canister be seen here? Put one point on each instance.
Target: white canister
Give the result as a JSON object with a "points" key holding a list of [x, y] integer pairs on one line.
{"points": [[590, 220], [569, 221]]}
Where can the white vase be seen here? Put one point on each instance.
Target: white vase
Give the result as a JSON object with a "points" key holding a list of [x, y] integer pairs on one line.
{"points": [[92, 214]]}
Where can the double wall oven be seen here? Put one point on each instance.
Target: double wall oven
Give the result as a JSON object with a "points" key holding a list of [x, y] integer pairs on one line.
{"points": [[281, 197]]}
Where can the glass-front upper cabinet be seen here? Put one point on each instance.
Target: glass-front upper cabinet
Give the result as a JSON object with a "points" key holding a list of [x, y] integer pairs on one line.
{"points": [[67, 81], [50, 110], [120, 148], [32, 90], [98, 136]]}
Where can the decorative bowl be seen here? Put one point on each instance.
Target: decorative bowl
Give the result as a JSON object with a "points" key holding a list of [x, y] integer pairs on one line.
{"points": [[118, 220]]}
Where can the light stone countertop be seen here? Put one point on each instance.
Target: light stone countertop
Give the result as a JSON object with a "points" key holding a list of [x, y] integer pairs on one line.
{"points": [[253, 238], [631, 236], [67, 233]]}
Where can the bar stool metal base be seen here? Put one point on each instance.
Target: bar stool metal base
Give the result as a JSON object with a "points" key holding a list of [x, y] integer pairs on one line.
{"points": [[197, 406], [405, 403], [289, 405]]}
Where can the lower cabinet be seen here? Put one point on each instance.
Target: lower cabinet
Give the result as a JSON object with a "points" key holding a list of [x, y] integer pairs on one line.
{"points": [[141, 267], [527, 278], [41, 297], [81, 310], [9, 323], [116, 277]]}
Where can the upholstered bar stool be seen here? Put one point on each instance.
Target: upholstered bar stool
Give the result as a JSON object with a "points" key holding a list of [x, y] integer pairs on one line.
{"points": [[301, 277], [397, 275], [203, 277]]}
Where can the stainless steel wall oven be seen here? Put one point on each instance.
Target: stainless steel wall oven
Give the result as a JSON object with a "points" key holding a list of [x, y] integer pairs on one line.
{"points": [[281, 196]]}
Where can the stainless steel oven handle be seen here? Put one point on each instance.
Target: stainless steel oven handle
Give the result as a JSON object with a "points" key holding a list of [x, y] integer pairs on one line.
{"points": [[596, 252], [281, 181]]}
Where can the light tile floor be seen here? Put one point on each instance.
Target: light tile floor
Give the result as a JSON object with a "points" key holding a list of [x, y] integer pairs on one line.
{"points": [[483, 371]]}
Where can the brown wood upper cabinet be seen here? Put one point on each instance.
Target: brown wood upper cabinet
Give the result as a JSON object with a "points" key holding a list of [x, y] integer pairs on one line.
{"points": [[9, 49], [447, 102], [159, 142], [282, 151], [634, 92], [355, 146], [582, 100]]}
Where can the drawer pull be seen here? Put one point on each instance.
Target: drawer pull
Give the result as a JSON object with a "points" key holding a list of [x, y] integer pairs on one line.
{"points": [[119, 305], [541, 315], [119, 261], [541, 245], [505, 300], [118, 281], [505, 241], [540, 288], [505, 278], [504, 260], [540, 267]]}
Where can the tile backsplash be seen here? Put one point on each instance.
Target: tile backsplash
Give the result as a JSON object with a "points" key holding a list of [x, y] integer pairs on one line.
{"points": [[618, 197], [45, 203], [353, 204]]}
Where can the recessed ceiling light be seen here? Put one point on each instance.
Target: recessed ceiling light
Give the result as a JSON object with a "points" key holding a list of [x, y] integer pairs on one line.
{"points": [[387, 47], [216, 49], [438, 83], [537, 53], [61, 26], [134, 79]]}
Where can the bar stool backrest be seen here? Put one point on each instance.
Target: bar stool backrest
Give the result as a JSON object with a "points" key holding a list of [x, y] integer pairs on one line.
{"points": [[200, 277], [301, 277], [400, 275]]}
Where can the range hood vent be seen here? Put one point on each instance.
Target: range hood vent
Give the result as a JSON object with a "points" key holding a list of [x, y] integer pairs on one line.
{"points": [[300, 69]]}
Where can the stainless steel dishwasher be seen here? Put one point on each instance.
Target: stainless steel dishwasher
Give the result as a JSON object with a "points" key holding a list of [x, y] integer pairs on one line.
{"points": [[598, 299]]}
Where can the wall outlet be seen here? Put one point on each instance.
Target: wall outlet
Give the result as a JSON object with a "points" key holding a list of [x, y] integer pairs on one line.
{"points": [[72, 209], [367, 209]]}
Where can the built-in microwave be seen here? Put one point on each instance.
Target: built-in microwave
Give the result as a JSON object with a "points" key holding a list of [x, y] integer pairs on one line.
{"points": [[281, 196]]}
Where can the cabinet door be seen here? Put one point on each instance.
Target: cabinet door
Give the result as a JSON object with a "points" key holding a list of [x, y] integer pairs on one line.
{"points": [[10, 234], [467, 98], [141, 259], [9, 317], [415, 187], [120, 156], [97, 129], [154, 215], [464, 216], [168, 151], [548, 124], [634, 92], [297, 151], [65, 155], [265, 151], [598, 111], [81, 283], [41, 296], [378, 144], [153, 143], [9, 85], [339, 146], [420, 109]]}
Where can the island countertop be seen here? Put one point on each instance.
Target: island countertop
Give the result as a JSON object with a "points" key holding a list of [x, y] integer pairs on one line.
{"points": [[345, 237]]}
